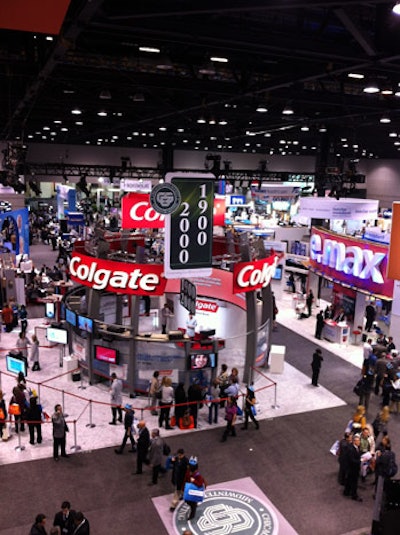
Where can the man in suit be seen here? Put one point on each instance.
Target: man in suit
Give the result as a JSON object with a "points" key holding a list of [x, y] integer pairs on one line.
{"points": [[64, 519], [143, 443], [353, 458], [81, 524]]}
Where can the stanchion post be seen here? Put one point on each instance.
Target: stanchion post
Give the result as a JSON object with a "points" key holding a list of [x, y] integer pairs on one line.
{"points": [[90, 424], [141, 413], [75, 446], [81, 385], [275, 405], [19, 447]]}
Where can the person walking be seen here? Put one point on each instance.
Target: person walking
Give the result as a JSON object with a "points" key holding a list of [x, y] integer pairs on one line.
{"points": [[7, 315], [23, 316], [60, 429], [116, 398], [143, 443], [180, 465], [165, 315], [35, 354], [167, 399], [230, 417], [128, 424], [194, 477], [370, 314], [3, 416], [316, 366], [155, 455], [249, 407]]}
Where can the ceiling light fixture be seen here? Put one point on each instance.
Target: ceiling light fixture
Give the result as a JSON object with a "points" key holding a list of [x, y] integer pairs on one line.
{"points": [[201, 120], [305, 128], [371, 87], [102, 113], [76, 111], [219, 59], [105, 94], [138, 97], [287, 110], [396, 8], [262, 108], [355, 75], [150, 49], [385, 119]]}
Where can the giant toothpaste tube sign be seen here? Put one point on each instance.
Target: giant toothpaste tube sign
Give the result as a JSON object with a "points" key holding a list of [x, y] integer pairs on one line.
{"points": [[248, 276], [117, 277], [357, 263]]}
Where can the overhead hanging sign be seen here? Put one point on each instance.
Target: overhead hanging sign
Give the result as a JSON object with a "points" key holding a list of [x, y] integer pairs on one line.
{"points": [[137, 212], [129, 184], [248, 276], [330, 208]]}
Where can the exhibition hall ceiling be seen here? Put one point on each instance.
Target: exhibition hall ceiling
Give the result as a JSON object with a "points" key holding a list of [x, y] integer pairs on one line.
{"points": [[255, 76]]}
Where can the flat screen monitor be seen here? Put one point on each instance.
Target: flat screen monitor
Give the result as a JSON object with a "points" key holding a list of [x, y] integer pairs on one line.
{"points": [[50, 310], [15, 364], [106, 354], [277, 276], [202, 360], [86, 324], [58, 336], [70, 317]]}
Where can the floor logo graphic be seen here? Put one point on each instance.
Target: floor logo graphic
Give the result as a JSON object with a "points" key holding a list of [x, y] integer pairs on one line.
{"points": [[226, 512]]}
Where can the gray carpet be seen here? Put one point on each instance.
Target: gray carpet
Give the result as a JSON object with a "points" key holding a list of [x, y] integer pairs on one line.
{"points": [[290, 462]]}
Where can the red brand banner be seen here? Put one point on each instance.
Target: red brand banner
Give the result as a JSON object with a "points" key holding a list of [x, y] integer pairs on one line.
{"points": [[219, 212], [137, 212], [359, 264], [248, 276], [117, 277], [206, 306]]}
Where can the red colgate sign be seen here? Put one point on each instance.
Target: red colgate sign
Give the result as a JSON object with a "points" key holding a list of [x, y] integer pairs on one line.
{"points": [[206, 306], [248, 276], [137, 212], [117, 277]]}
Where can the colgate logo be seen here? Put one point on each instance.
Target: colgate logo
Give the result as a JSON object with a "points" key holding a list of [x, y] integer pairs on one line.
{"points": [[117, 277], [208, 306], [254, 275], [138, 213]]}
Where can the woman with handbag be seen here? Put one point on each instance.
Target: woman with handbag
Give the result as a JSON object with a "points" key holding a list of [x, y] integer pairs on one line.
{"points": [[194, 486]]}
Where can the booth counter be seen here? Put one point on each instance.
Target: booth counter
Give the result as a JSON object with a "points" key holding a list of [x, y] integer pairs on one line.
{"points": [[336, 332]]}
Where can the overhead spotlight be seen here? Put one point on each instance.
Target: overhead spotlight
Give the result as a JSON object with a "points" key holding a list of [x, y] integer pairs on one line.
{"points": [[262, 107], [287, 110], [371, 87], [396, 8], [138, 97], [105, 94], [385, 119]]}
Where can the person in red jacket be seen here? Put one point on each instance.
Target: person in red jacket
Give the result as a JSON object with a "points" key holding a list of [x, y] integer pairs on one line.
{"points": [[193, 476]]}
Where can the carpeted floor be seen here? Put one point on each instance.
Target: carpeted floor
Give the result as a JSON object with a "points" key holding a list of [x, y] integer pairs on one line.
{"points": [[288, 458]]}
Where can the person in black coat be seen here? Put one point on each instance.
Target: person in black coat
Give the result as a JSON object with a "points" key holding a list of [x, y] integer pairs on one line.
{"points": [[249, 403], [344, 445], [319, 325], [353, 456], [180, 465], [128, 423], [39, 527], [309, 302], [34, 419], [64, 519], [370, 314], [180, 400], [81, 524], [316, 366], [142, 445]]}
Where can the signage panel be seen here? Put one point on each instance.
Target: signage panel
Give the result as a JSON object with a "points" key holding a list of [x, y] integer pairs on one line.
{"points": [[248, 276], [357, 263], [137, 212], [329, 208]]}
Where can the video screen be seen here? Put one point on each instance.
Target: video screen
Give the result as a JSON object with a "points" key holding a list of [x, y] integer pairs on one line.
{"points": [[86, 324], [15, 365], [277, 276], [70, 317], [200, 361], [50, 310], [106, 354], [58, 336]]}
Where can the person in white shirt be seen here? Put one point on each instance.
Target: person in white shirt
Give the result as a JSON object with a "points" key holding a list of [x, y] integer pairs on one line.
{"points": [[367, 349], [191, 325]]}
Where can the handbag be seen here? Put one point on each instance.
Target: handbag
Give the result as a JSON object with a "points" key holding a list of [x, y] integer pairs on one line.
{"points": [[253, 410], [14, 409], [2, 415], [357, 388], [193, 493]]}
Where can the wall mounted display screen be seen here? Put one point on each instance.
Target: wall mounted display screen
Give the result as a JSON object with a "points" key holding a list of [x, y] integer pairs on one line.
{"points": [[70, 316], [15, 365], [50, 310], [201, 360], [86, 324], [277, 276], [106, 354], [58, 336]]}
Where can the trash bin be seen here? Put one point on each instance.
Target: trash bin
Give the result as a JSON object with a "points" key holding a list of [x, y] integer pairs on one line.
{"points": [[76, 376]]}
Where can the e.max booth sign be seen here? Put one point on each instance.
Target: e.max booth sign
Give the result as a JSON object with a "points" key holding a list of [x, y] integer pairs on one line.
{"points": [[358, 263]]}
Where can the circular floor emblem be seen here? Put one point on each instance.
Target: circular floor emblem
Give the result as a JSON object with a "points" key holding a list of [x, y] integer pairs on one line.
{"points": [[165, 198], [226, 512]]}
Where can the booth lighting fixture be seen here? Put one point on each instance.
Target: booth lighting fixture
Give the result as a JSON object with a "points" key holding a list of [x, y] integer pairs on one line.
{"points": [[371, 87], [223, 122], [356, 75], [219, 59], [385, 119], [396, 8], [150, 49], [162, 129], [212, 121], [322, 129], [164, 64], [387, 90]]}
